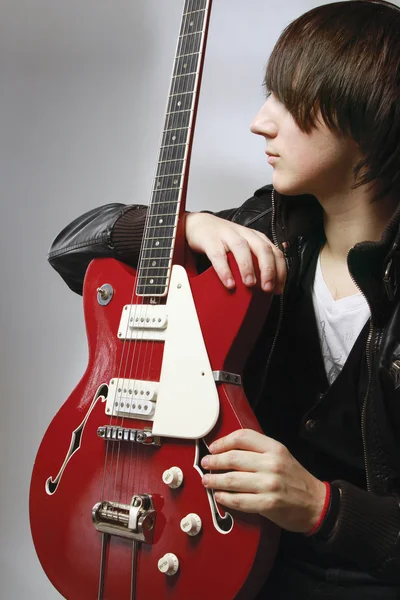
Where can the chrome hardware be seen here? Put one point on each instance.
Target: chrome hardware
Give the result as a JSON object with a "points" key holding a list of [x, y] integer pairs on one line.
{"points": [[104, 294], [390, 280], [225, 377], [395, 373], [112, 433], [134, 521]]}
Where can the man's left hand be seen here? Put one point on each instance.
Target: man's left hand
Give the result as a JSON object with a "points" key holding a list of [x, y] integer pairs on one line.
{"points": [[261, 476]]}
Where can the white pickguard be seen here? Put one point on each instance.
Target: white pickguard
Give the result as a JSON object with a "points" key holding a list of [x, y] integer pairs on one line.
{"points": [[187, 402]]}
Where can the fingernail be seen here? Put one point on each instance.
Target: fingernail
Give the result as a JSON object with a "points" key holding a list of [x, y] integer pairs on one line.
{"points": [[212, 447], [206, 480], [249, 279], [205, 462], [230, 283], [268, 286]]}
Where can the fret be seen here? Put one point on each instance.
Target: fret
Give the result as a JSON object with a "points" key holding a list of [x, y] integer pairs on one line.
{"points": [[156, 260], [152, 277], [190, 43], [194, 5], [184, 74], [162, 214], [160, 189], [167, 205], [180, 102], [170, 210], [189, 54], [183, 83], [172, 152], [192, 23], [171, 195], [180, 119], [169, 175], [160, 226], [167, 161], [165, 218], [183, 35], [169, 182], [192, 12], [166, 237], [174, 145], [175, 137], [161, 202], [186, 66], [168, 167], [158, 249], [178, 112], [149, 291]]}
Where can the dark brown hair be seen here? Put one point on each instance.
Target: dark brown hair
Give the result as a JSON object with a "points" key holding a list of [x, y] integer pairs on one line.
{"points": [[343, 59]]}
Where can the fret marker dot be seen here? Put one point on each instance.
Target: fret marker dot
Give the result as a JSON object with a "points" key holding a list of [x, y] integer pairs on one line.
{"points": [[175, 181], [158, 183], [154, 263], [151, 280], [157, 243], [185, 66], [174, 138], [160, 220], [191, 24], [179, 103]]}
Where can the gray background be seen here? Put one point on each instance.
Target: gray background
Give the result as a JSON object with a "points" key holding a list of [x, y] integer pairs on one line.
{"points": [[83, 87]]}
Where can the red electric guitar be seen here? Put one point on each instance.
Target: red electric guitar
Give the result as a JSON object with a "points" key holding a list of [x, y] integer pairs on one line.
{"points": [[117, 507]]}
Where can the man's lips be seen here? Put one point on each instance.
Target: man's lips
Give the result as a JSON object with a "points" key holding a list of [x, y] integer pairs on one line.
{"points": [[272, 158]]}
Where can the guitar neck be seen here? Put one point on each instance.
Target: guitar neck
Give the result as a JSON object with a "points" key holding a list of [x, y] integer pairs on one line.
{"points": [[170, 182]]}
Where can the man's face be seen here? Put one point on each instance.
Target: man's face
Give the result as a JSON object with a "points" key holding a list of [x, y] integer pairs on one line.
{"points": [[318, 163]]}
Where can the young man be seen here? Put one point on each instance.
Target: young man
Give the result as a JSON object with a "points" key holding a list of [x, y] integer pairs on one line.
{"points": [[324, 377]]}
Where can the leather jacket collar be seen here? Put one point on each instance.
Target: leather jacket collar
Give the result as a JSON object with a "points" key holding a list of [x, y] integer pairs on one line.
{"points": [[374, 266]]}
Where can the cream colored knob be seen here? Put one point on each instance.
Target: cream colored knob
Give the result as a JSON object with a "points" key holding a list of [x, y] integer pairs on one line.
{"points": [[173, 477], [191, 524], [168, 564]]}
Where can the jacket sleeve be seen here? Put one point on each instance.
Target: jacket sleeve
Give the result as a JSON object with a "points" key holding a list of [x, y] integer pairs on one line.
{"points": [[366, 531], [110, 231]]}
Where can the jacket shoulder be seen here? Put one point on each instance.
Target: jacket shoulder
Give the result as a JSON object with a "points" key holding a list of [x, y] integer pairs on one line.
{"points": [[256, 212]]}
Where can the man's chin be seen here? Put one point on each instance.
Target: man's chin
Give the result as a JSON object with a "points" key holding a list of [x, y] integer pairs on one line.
{"points": [[287, 188]]}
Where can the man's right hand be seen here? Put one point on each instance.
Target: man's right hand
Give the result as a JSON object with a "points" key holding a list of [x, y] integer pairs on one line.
{"points": [[215, 237]]}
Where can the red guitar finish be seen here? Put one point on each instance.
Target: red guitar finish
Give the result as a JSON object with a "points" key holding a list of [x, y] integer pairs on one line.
{"points": [[212, 564]]}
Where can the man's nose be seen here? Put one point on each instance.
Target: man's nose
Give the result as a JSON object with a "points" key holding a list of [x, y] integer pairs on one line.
{"points": [[263, 123]]}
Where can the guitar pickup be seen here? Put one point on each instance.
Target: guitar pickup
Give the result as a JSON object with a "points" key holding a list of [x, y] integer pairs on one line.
{"points": [[131, 398]]}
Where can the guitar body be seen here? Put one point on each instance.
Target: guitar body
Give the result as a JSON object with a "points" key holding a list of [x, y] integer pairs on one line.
{"points": [[214, 563]]}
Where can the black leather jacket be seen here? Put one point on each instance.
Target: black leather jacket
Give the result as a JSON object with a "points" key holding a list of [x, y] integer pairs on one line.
{"points": [[367, 530]]}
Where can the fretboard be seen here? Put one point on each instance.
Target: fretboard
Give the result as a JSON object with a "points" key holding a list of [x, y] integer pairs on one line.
{"points": [[159, 235]]}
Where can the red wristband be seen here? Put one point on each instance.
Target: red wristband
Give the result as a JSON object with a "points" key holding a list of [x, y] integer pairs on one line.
{"points": [[324, 509]]}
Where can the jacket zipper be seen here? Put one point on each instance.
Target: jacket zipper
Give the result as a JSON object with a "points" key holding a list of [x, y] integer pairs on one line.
{"points": [[369, 366], [281, 298]]}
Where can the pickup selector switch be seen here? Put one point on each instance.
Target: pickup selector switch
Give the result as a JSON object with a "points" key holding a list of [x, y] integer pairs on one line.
{"points": [[191, 524], [173, 477], [168, 564]]}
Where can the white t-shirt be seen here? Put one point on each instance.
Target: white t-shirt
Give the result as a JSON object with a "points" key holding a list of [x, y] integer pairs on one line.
{"points": [[339, 323]]}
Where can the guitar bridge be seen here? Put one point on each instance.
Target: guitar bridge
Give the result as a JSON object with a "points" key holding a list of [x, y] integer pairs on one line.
{"points": [[134, 521], [112, 433]]}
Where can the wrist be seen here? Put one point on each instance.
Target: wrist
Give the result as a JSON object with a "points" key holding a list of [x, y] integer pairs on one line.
{"points": [[322, 508], [329, 516]]}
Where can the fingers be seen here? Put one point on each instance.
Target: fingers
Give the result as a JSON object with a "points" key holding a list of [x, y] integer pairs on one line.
{"points": [[238, 460], [245, 439], [217, 237], [234, 482], [271, 263]]}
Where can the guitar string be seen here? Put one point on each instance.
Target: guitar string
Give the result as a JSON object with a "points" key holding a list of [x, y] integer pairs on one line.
{"points": [[120, 385], [170, 195]]}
